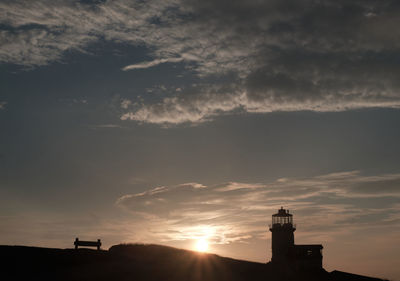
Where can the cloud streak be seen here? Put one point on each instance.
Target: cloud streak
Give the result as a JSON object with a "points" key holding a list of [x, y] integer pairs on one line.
{"points": [[235, 212], [148, 64], [206, 105]]}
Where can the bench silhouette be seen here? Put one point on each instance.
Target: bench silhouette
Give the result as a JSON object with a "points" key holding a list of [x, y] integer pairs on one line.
{"points": [[87, 243]]}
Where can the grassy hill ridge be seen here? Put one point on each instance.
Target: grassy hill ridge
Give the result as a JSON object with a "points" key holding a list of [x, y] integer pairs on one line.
{"points": [[144, 262]]}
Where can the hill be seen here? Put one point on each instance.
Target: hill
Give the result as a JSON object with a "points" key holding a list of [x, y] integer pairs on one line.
{"points": [[145, 262]]}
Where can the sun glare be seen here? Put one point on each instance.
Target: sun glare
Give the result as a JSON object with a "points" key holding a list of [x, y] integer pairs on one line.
{"points": [[202, 245]]}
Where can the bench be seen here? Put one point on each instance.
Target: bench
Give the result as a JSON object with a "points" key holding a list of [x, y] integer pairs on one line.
{"points": [[87, 243]]}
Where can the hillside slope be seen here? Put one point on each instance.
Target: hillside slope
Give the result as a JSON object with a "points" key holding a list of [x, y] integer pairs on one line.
{"points": [[143, 262]]}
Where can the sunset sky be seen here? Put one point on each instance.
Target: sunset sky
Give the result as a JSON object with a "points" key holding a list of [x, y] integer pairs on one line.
{"points": [[170, 121]]}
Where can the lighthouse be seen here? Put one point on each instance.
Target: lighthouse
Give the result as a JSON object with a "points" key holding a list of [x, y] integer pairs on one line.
{"points": [[282, 229], [284, 251]]}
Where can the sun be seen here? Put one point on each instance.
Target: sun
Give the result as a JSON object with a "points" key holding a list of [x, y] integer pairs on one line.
{"points": [[202, 245]]}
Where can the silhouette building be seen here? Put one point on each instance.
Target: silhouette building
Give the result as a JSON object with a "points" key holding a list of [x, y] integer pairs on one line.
{"points": [[284, 251]]}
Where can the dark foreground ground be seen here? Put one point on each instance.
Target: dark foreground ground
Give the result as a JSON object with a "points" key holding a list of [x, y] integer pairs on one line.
{"points": [[144, 262]]}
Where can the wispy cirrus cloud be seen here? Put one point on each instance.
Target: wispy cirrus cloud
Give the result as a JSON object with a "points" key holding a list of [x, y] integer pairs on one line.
{"points": [[319, 56], [194, 109], [148, 64], [306, 56], [324, 205], [40, 32]]}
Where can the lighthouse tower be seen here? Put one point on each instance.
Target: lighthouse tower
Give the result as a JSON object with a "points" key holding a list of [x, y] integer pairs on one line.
{"points": [[282, 235]]}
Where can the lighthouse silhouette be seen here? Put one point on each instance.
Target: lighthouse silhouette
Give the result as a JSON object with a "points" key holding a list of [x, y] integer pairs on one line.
{"points": [[282, 229], [284, 251]]}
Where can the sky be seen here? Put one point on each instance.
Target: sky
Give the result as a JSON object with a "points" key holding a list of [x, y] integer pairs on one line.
{"points": [[169, 121]]}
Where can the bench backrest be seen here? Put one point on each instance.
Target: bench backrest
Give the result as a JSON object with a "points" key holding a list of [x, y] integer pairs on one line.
{"points": [[87, 243]]}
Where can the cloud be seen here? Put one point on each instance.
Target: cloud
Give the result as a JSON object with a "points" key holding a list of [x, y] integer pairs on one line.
{"points": [[234, 212], [40, 32], [106, 126], [186, 108], [125, 103], [307, 56], [148, 64], [276, 56], [183, 108]]}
